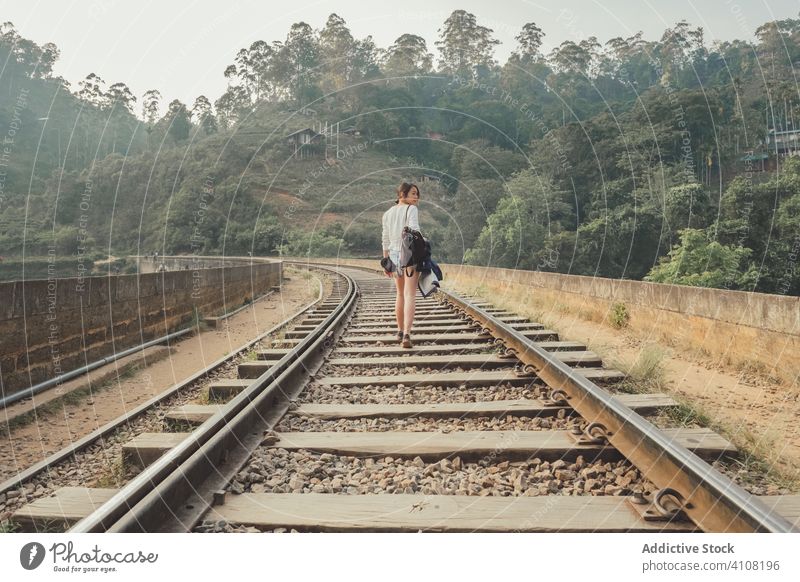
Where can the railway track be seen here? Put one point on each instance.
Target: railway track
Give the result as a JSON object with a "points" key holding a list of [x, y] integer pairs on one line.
{"points": [[490, 423], [96, 457]]}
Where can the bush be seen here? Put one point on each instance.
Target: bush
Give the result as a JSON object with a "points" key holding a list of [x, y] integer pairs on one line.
{"points": [[619, 316]]}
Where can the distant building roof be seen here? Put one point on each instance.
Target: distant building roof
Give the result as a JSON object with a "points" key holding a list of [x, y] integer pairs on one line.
{"points": [[784, 131], [754, 157]]}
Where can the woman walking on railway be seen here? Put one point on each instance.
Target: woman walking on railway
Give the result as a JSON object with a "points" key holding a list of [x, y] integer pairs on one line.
{"points": [[405, 213]]}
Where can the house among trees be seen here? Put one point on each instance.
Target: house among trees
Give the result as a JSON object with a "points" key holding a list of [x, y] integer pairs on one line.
{"points": [[303, 141], [784, 142], [757, 161], [428, 177]]}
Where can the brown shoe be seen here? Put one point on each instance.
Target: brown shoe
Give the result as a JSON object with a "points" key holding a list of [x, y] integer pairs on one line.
{"points": [[407, 341], [400, 336]]}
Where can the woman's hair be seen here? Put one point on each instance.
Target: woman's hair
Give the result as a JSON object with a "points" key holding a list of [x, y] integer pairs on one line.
{"points": [[403, 189]]}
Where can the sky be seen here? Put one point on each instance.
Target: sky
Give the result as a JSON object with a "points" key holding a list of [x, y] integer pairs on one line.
{"points": [[182, 48]]}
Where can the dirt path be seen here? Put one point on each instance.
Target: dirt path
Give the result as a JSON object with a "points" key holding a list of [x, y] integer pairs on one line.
{"points": [[752, 410], [32, 442]]}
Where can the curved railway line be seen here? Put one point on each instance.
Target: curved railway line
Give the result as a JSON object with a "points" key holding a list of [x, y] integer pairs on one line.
{"points": [[490, 423]]}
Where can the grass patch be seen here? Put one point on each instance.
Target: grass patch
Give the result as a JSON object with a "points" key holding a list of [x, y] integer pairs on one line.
{"points": [[52, 526], [8, 526], [198, 322], [114, 476], [645, 374], [479, 291], [202, 397], [756, 462], [174, 425], [618, 316], [758, 369], [686, 415], [758, 456]]}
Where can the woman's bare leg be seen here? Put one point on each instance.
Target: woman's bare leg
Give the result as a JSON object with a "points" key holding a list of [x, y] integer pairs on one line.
{"points": [[410, 294], [399, 301]]}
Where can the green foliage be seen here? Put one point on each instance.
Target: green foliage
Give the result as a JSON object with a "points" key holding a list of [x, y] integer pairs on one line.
{"points": [[178, 121], [592, 159], [408, 56], [264, 239], [519, 232], [8, 526], [312, 244], [701, 262], [465, 46]]}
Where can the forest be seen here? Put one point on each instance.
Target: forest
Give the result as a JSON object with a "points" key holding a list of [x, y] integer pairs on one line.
{"points": [[669, 160]]}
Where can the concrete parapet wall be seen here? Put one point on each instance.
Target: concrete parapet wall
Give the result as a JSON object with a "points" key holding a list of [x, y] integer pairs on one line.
{"points": [[50, 327], [734, 327]]}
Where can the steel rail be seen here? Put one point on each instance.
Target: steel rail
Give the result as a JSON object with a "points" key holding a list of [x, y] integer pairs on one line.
{"points": [[174, 492], [111, 426], [710, 499], [32, 391]]}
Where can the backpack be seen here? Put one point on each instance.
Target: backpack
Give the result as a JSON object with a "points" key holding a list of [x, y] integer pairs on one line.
{"points": [[413, 248], [426, 264]]}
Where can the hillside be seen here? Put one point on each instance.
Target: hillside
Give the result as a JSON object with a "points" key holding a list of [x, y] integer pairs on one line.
{"points": [[634, 158]]}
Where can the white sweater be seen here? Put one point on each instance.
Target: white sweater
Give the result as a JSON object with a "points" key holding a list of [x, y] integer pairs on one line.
{"points": [[394, 220]]}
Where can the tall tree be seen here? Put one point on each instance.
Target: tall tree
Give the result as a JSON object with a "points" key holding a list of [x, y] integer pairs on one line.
{"points": [[529, 44], [253, 67], [232, 106], [679, 47], [364, 62], [178, 121], [120, 95], [48, 57], [466, 48], [203, 114], [151, 101], [573, 58], [297, 67], [92, 90], [25, 55], [337, 50], [408, 56]]}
